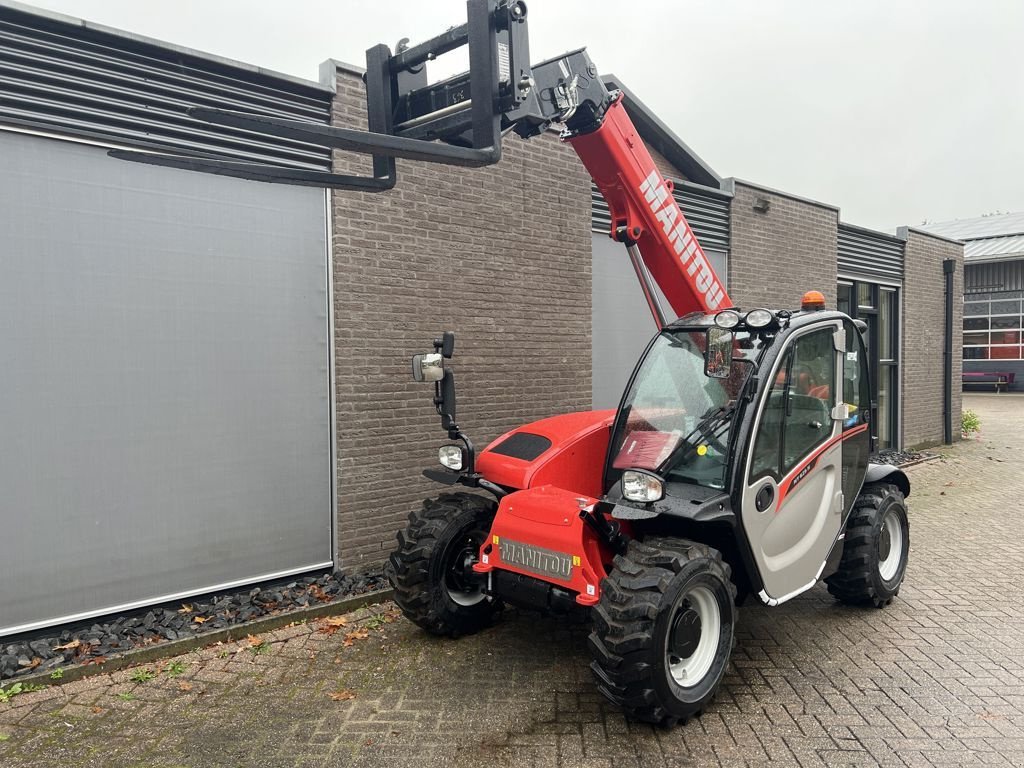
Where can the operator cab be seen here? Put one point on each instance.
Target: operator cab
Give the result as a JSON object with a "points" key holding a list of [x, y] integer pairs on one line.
{"points": [[688, 393], [757, 419]]}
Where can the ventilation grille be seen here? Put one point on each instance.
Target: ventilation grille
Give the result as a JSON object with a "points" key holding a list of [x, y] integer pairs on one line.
{"points": [[76, 80], [863, 253], [706, 209]]}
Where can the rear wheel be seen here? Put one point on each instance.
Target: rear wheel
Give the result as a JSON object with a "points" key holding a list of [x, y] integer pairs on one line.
{"points": [[431, 569], [663, 629], [875, 549]]}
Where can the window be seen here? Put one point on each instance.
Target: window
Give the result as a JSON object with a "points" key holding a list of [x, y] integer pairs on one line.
{"points": [[797, 415], [856, 392], [992, 326]]}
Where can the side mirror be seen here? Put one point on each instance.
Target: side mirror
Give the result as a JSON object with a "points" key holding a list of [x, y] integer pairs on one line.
{"points": [[429, 367], [718, 353]]}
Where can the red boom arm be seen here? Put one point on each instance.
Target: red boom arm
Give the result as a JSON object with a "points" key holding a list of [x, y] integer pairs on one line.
{"points": [[643, 211]]}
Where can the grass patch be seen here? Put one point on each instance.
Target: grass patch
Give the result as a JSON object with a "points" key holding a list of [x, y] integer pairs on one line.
{"points": [[142, 675]]}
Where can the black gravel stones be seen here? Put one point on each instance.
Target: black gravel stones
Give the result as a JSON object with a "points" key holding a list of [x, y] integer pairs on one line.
{"points": [[53, 647], [896, 458]]}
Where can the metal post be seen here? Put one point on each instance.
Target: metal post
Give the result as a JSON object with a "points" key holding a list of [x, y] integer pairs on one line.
{"points": [[948, 266]]}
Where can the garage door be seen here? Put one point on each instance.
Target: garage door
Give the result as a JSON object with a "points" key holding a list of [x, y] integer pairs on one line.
{"points": [[165, 420]]}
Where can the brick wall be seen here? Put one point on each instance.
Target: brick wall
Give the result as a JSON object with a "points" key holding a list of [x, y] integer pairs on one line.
{"points": [[924, 333], [778, 255], [665, 168], [501, 255]]}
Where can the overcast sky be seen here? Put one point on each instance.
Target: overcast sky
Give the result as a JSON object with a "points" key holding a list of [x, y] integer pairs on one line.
{"points": [[897, 111]]}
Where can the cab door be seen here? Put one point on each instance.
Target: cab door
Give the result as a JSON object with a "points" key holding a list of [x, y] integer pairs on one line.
{"points": [[792, 508]]}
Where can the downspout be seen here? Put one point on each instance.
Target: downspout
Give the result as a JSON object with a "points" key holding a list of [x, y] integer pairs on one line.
{"points": [[948, 265]]}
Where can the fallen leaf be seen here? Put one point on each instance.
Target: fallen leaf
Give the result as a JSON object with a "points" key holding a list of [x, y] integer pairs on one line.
{"points": [[358, 634], [68, 646], [200, 619], [183, 686], [185, 608], [97, 710], [343, 695], [368, 742], [36, 661], [95, 660], [253, 642], [332, 624], [317, 592]]}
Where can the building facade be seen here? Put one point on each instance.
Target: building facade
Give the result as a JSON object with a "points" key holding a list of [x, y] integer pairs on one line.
{"points": [[240, 406], [993, 289]]}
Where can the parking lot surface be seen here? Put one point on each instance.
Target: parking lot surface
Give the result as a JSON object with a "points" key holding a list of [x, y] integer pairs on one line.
{"points": [[935, 679]]}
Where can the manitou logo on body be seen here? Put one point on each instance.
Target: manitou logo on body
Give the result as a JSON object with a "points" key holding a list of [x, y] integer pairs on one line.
{"points": [[685, 244], [536, 559]]}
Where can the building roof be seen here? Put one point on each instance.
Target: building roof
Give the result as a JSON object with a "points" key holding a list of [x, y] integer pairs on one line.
{"points": [[997, 237]]}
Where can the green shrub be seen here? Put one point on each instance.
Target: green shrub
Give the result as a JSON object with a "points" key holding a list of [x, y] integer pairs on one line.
{"points": [[970, 423]]}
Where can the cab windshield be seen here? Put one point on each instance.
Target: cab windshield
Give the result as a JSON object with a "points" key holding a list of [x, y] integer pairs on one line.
{"points": [[675, 420]]}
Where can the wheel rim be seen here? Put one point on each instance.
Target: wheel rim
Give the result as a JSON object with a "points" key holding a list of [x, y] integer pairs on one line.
{"points": [[460, 588], [694, 634], [890, 546]]}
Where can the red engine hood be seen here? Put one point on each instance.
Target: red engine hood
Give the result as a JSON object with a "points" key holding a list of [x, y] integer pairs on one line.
{"points": [[566, 451]]}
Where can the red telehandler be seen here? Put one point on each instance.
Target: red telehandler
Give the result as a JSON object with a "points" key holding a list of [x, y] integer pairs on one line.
{"points": [[736, 463]]}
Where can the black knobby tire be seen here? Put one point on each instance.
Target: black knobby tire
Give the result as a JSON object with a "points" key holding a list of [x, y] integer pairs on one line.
{"points": [[860, 579], [656, 586], [428, 567]]}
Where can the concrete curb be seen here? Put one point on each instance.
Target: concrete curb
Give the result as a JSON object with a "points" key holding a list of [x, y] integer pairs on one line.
{"points": [[177, 647]]}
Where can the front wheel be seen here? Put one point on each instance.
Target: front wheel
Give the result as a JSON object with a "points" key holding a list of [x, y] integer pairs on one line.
{"points": [[431, 569], [663, 629], [875, 549]]}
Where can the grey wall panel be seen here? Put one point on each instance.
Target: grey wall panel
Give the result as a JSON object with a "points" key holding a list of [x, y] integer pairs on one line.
{"points": [[622, 324], [164, 382]]}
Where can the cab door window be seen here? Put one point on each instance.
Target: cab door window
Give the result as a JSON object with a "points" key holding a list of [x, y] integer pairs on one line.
{"points": [[856, 392], [797, 416]]}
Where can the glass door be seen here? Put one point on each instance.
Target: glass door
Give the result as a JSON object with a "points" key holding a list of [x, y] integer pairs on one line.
{"points": [[878, 307]]}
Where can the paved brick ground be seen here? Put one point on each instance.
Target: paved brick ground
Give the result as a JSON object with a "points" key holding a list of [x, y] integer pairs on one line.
{"points": [[937, 679]]}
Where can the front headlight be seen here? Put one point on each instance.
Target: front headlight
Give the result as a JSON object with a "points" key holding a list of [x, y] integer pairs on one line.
{"points": [[642, 486], [450, 456]]}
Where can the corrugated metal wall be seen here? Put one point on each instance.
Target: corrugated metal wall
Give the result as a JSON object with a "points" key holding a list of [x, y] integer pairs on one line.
{"points": [[706, 209], [870, 255], [995, 276], [82, 81]]}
